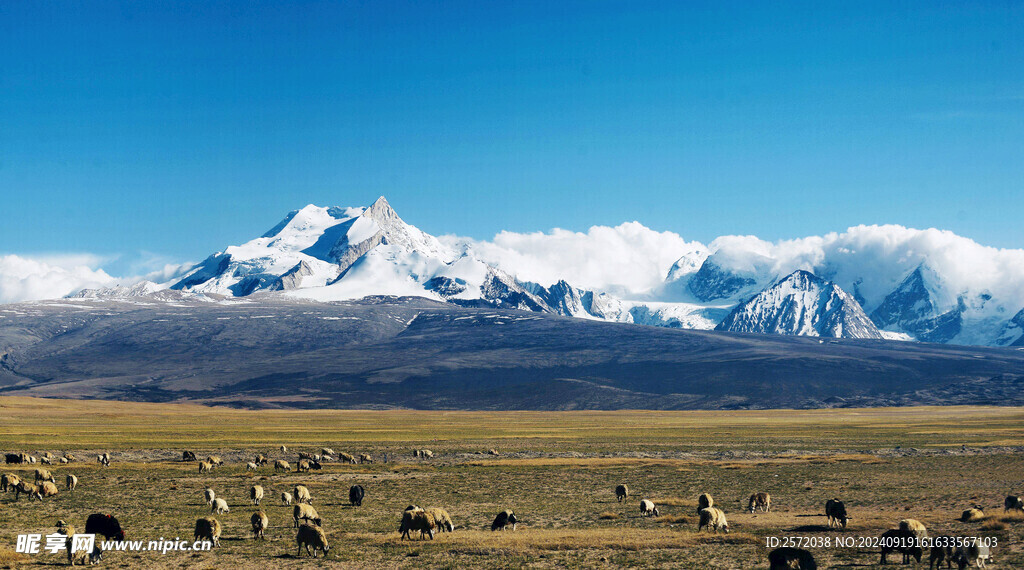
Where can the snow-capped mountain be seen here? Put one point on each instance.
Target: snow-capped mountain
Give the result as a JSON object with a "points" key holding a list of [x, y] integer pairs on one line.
{"points": [[924, 285], [350, 253], [802, 304], [919, 307]]}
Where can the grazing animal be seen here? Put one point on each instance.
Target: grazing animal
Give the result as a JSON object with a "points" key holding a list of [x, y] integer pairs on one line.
{"points": [[15, 458], [103, 459], [208, 529], [256, 494], [972, 515], [704, 501], [215, 459], [365, 458], [260, 522], [621, 493], [712, 518], [74, 555], [789, 558], [104, 525], [647, 508], [1013, 503], [45, 461], [975, 553], [302, 466], [281, 465], [72, 482], [44, 475], [305, 513], [284, 449], [355, 495], [417, 519], [835, 510], [63, 459], [492, 452], [302, 495], [205, 466], [406, 525], [311, 535], [442, 519], [250, 466], [69, 457], [286, 498], [761, 501], [219, 507], [188, 456], [914, 526], [504, 520], [326, 451], [941, 551], [47, 489], [209, 495], [9, 481], [346, 458], [305, 455], [261, 459], [29, 489], [902, 541]]}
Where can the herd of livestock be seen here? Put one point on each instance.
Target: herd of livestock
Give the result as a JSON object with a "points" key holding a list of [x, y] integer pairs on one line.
{"points": [[909, 539]]}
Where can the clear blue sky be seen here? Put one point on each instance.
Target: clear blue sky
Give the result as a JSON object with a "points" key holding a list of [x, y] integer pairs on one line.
{"points": [[180, 128]]}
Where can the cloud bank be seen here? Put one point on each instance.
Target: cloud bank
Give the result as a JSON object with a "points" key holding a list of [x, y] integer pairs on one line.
{"points": [[49, 277], [633, 260], [628, 258]]}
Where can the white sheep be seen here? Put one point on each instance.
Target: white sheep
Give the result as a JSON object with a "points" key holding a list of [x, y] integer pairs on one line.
{"points": [[282, 465], [302, 495], [305, 513], [914, 526], [209, 495], [647, 508], [256, 494], [250, 466], [103, 459], [9, 481], [44, 475], [72, 482], [219, 507], [284, 449], [47, 489], [712, 518], [286, 498], [205, 467]]}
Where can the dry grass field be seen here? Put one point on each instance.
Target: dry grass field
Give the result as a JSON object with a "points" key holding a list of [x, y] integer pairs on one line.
{"points": [[557, 470]]}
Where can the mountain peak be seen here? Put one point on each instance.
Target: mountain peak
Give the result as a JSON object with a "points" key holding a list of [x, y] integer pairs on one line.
{"points": [[802, 304], [382, 212]]}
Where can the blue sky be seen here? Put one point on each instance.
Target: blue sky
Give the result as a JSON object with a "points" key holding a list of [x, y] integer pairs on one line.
{"points": [[178, 129]]}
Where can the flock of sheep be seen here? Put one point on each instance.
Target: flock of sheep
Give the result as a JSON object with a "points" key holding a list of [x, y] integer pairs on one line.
{"points": [[310, 536]]}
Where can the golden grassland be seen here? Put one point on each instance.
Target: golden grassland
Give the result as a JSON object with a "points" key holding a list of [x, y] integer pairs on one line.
{"points": [[558, 470]]}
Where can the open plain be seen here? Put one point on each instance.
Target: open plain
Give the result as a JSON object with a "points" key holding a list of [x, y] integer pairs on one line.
{"points": [[557, 470]]}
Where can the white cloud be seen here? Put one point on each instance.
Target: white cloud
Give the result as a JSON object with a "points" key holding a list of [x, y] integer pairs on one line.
{"points": [[632, 260], [49, 276], [628, 258]]}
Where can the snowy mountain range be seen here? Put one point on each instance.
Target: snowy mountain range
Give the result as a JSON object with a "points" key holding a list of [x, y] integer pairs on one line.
{"points": [[864, 283]]}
